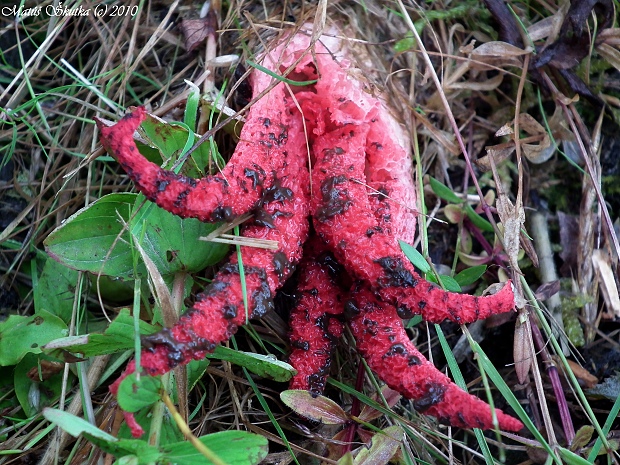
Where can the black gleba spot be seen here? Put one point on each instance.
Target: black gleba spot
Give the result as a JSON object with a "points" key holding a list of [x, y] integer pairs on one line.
{"points": [[434, 395], [396, 274]]}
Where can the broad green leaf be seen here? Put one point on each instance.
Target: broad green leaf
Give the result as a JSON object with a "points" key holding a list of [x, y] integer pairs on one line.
{"points": [[478, 220], [173, 243], [445, 193], [127, 450], [317, 408], [447, 282], [171, 139], [405, 44], [382, 448], [470, 275], [232, 447], [20, 335], [87, 240], [75, 425], [415, 257], [582, 437], [135, 394], [55, 290], [34, 395], [346, 459], [266, 366]]}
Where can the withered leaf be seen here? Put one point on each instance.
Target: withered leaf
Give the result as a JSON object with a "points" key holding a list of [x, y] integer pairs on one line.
{"points": [[195, 31], [546, 290]]}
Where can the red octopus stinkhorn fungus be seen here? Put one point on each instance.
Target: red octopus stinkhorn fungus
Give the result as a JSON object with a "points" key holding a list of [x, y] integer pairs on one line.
{"points": [[358, 151]]}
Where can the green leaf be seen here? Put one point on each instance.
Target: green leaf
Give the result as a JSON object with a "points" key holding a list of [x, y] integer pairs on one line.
{"points": [[171, 140], [278, 77], [135, 394], [582, 437], [87, 240], [444, 192], [20, 335], [415, 257], [449, 283], [118, 336], [75, 425], [266, 366], [405, 44], [128, 450], [470, 275], [571, 458], [34, 395], [55, 290], [478, 220], [173, 243], [317, 408], [233, 447]]}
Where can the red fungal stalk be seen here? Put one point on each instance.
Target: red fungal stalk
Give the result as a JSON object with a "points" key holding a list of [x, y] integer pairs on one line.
{"points": [[271, 132], [344, 219], [315, 321], [383, 342], [284, 208], [358, 149]]}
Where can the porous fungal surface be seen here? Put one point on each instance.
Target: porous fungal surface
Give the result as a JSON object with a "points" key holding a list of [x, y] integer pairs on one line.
{"points": [[329, 152]]}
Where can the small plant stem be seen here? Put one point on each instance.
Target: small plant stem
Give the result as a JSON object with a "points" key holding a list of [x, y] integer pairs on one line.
{"points": [[200, 447], [488, 248], [540, 389], [552, 371], [355, 408], [569, 373]]}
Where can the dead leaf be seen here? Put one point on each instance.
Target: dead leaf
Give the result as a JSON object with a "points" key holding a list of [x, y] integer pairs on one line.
{"points": [[317, 408], [602, 265], [498, 54], [587, 379], [546, 290], [45, 371], [391, 397], [498, 153], [521, 351], [512, 217], [482, 86], [196, 31]]}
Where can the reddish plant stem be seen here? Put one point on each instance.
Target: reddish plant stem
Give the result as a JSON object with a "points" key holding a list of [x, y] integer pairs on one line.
{"points": [[552, 371]]}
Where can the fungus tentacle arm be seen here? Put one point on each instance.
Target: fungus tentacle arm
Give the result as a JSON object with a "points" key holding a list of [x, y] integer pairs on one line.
{"points": [[344, 219], [270, 133], [316, 320], [220, 309], [384, 344]]}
